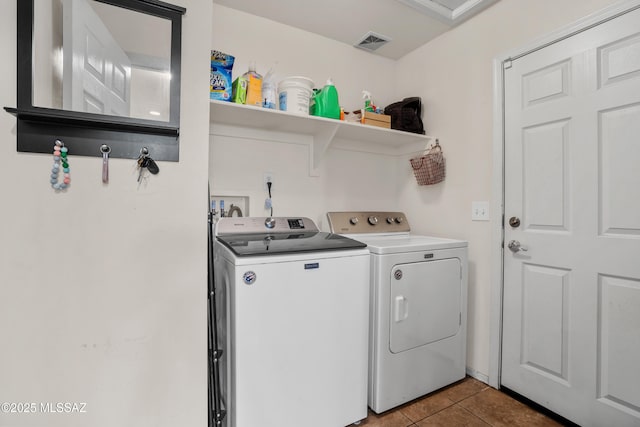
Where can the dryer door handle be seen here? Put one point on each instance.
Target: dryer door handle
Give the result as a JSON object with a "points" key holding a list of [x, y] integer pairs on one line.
{"points": [[401, 309]]}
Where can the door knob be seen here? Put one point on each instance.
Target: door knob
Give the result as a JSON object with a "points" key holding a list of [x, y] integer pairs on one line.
{"points": [[515, 246]]}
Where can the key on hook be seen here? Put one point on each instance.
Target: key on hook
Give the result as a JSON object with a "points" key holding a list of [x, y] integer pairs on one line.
{"points": [[152, 166], [145, 161], [105, 149], [142, 163]]}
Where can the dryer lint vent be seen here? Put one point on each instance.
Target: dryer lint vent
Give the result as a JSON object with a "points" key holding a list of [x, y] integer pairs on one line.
{"points": [[372, 41]]}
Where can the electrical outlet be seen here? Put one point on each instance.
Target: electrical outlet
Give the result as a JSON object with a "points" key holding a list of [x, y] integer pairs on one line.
{"points": [[267, 177], [480, 211]]}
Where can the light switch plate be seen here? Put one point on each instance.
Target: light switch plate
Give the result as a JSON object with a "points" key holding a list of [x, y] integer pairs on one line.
{"points": [[480, 211]]}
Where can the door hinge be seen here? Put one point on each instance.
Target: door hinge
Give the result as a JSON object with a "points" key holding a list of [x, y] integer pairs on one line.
{"points": [[460, 319], [506, 64]]}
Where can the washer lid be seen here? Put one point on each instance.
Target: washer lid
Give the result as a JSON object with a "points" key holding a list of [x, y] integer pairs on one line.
{"points": [[400, 243], [287, 243]]}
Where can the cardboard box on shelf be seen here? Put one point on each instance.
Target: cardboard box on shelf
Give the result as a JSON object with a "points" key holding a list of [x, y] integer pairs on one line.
{"points": [[379, 120]]}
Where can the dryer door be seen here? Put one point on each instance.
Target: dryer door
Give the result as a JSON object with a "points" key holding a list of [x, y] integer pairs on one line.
{"points": [[425, 303]]}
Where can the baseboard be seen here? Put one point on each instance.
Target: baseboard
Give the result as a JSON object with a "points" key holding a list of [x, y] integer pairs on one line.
{"points": [[477, 375]]}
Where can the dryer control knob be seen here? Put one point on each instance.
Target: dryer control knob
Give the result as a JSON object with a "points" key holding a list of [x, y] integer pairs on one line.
{"points": [[390, 220], [399, 220], [353, 220], [270, 222], [372, 220]]}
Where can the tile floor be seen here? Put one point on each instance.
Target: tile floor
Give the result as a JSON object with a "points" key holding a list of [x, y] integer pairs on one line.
{"points": [[465, 403]]}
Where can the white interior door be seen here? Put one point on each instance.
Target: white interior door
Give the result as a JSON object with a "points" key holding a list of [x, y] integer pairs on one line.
{"points": [[571, 303], [97, 72]]}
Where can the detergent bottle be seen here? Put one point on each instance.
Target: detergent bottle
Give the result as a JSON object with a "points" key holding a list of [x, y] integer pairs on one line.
{"points": [[326, 102]]}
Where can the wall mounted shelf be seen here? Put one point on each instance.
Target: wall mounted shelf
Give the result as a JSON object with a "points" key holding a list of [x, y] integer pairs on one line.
{"points": [[325, 132]]}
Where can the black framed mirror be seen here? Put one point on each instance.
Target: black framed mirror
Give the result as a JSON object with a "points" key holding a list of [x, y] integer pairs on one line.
{"points": [[93, 72]]}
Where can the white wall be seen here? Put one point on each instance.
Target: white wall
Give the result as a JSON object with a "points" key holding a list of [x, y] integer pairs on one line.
{"points": [[104, 286], [293, 52], [454, 76], [347, 180]]}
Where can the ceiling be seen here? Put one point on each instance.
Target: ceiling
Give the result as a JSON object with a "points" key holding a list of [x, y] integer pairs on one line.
{"points": [[407, 23]]}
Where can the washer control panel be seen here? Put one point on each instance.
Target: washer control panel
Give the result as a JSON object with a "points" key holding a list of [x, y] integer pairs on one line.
{"points": [[255, 225], [367, 222]]}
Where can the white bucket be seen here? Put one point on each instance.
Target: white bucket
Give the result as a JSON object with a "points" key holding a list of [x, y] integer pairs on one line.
{"points": [[294, 94]]}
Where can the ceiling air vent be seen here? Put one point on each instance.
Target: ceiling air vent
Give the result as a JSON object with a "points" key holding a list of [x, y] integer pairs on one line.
{"points": [[372, 41]]}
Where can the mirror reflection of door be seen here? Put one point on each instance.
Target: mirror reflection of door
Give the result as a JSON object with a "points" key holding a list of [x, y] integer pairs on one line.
{"points": [[97, 72], [95, 57]]}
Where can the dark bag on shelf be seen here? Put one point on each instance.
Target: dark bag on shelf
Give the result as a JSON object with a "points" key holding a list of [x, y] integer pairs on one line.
{"points": [[406, 115]]}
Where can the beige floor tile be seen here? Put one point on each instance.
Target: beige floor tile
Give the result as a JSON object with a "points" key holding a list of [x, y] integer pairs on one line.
{"points": [[463, 389], [386, 419], [498, 409], [423, 407], [453, 416]]}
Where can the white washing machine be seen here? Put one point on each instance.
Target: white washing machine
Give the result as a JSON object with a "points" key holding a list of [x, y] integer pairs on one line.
{"points": [[418, 318], [292, 313]]}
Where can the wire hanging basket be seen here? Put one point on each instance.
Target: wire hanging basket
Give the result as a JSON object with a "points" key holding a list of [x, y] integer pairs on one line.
{"points": [[429, 168]]}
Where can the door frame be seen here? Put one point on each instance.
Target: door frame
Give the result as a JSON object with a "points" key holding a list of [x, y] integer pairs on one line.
{"points": [[497, 231]]}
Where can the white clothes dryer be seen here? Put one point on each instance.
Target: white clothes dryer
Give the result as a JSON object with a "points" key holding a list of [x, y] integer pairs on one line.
{"points": [[418, 307]]}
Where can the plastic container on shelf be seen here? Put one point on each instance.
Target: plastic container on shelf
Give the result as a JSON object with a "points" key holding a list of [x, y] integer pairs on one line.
{"points": [[326, 102], [220, 75], [254, 86], [269, 91], [294, 94]]}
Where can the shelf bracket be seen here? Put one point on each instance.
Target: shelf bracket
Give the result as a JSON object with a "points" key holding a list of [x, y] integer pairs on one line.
{"points": [[321, 141]]}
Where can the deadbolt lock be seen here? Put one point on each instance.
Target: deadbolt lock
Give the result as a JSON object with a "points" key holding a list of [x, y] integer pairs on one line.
{"points": [[514, 221]]}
